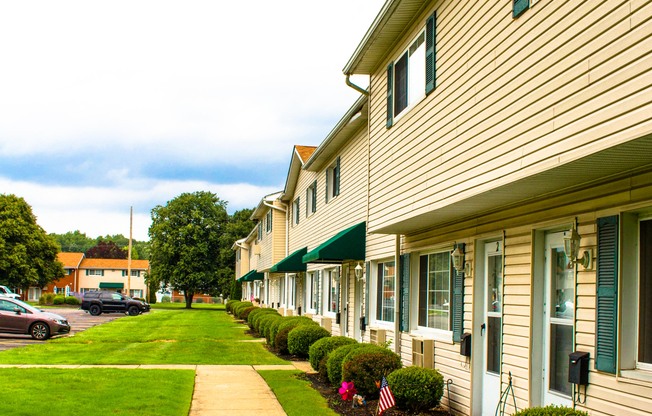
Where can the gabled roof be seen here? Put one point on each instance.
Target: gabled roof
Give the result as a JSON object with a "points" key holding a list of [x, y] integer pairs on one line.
{"points": [[354, 119], [393, 21], [239, 244], [262, 207], [304, 152], [300, 154], [70, 260], [119, 264]]}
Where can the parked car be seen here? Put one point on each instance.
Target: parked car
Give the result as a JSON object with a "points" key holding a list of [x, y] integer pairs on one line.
{"points": [[98, 302], [17, 317], [6, 292]]}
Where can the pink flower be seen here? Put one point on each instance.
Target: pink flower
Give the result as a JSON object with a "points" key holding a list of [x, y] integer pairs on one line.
{"points": [[347, 390]]}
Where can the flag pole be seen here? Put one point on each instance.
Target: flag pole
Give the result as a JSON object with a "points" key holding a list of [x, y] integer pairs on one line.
{"points": [[131, 227]]}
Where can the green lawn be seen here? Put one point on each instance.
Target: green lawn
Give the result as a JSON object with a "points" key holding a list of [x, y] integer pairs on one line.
{"points": [[103, 391], [202, 336], [295, 394], [182, 305]]}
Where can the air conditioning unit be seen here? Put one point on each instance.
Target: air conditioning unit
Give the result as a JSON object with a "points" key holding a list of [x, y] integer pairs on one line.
{"points": [[377, 336], [327, 323], [423, 353]]}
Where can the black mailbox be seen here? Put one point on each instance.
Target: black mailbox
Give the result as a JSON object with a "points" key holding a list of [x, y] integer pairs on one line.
{"points": [[578, 368], [337, 318], [465, 345], [363, 323]]}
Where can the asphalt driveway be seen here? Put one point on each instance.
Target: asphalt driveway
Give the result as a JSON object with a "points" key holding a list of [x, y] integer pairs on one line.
{"points": [[78, 319]]}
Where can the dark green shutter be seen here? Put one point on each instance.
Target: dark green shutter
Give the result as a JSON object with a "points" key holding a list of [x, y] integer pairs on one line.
{"points": [[307, 199], [607, 295], [431, 53], [86, 272], [326, 185], [457, 304], [423, 290], [390, 95], [298, 209], [519, 7], [379, 291], [314, 196], [336, 180], [318, 283], [367, 286], [404, 324]]}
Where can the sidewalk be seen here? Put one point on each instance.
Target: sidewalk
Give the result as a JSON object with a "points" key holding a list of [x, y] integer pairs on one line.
{"points": [[234, 390]]}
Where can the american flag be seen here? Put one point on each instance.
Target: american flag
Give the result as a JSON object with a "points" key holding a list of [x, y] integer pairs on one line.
{"points": [[386, 397]]}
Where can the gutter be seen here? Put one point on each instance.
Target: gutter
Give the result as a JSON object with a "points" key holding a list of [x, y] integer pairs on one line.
{"points": [[267, 204], [355, 87]]}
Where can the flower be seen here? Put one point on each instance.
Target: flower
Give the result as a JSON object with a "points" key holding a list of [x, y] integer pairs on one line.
{"points": [[347, 390]]}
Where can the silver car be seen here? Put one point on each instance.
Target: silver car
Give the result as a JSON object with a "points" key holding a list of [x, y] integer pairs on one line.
{"points": [[17, 317]]}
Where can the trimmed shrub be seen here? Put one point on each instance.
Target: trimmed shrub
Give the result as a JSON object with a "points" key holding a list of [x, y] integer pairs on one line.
{"points": [[334, 362], [322, 347], [302, 337], [266, 322], [41, 300], [166, 299], [71, 300], [58, 300], [245, 313], [199, 300], [281, 340], [368, 364], [550, 411], [237, 310], [255, 316], [231, 304], [290, 322], [416, 388], [272, 330]]}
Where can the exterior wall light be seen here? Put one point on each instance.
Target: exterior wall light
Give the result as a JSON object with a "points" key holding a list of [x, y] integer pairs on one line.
{"points": [[457, 258], [572, 249], [358, 272]]}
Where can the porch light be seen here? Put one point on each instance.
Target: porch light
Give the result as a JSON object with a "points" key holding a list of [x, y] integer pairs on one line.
{"points": [[457, 257], [358, 271], [572, 249]]}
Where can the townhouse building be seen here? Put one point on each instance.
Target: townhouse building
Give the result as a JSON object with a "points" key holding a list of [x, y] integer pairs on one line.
{"points": [[510, 154]]}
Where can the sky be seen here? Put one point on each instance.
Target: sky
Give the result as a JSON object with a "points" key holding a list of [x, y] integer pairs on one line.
{"points": [[107, 105]]}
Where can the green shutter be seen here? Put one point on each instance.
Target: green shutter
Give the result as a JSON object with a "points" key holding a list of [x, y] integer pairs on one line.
{"points": [[318, 281], [314, 196], [326, 186], [431, 53], [607, 295], [404, 324], [336, 180], [519, 7], [86, 272], [298, 210], [457, 306], [307, 199], [390, 95], [423, 290], [367, 286]]}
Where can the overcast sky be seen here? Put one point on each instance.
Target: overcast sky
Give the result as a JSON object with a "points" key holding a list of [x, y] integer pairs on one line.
{"points": [[110, 104]]}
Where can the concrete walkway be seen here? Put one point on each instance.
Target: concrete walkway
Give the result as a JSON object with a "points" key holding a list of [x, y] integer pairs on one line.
{"points": [[234, 390]]}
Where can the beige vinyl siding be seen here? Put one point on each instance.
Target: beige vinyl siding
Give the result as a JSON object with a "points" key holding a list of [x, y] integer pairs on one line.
{"points": [[272, 245], [514, 97]]}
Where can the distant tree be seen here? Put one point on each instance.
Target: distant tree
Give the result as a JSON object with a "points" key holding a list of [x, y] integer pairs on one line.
{"points": [[239, 226], [185, 243], [74, 242], [106, 250], [28, 256]]}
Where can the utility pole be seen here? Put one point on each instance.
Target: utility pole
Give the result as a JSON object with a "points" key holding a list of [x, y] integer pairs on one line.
{"points": [[131, 227]]}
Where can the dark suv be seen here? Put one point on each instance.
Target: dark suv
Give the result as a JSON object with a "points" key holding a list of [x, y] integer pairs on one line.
{"points": [[107, 302]]}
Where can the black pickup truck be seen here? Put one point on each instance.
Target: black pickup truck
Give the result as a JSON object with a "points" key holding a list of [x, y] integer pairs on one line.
{"points": [[100, 302]]}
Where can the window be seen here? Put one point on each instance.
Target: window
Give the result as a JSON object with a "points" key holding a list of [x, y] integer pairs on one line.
{"points": [[268, 221], [136, 293], [313, 293], [386, 291], [412, 76], [333, 290], [134, 273], [434, 290], [311, 199], [291, 289], [295, 210], [333, 180], [259, 237], [94, 272], [67, 272]]}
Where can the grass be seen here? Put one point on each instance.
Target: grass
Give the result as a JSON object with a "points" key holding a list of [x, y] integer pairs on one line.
{"points": [[296, 396], [105, 391], [182, 305], [202, 336]]}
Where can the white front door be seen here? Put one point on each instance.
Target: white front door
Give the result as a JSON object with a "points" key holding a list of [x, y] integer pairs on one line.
{"points": [[344, 305], [558, 315], [490, 329]]}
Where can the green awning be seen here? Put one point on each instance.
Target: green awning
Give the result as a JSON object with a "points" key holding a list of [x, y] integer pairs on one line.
{"points": [[251, 276], [292, 263], [348, 244], [111, 285]]}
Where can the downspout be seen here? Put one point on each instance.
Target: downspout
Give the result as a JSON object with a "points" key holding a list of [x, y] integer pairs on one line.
{"points": [[355, 87]]}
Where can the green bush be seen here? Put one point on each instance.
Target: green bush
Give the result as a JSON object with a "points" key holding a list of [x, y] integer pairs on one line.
{"points": [[368, 364], [302, 337], [256, 316], [231, 304], [199, 300], [334, 362], [272, 330], [41, 300], [177, 300], [290, 321], [322, 347], [165, 299], [416, 388], [71, 300], [550, 411], [281, 340], [58, 300], [237, 310], [266, 322], [244, 314]]}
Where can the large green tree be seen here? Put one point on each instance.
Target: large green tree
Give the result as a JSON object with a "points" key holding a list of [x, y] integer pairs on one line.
{"points": [[78, 242], [28, 256], [239, 226], [185, 243]]}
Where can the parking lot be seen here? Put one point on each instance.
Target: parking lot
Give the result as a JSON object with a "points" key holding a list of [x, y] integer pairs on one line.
{"points": [[78, 319]]}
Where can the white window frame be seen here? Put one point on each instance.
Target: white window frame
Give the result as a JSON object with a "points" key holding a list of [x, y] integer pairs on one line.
{"points": [[311, 195], [445, 335], [95, 272], [415, 53], [268, 221], [330, 276], [377, 282], [296, 210]]}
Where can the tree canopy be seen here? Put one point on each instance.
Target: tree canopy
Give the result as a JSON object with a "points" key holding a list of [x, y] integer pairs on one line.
{"points": [[106, 250], [28, 256], [78, 242], [185, 243]]}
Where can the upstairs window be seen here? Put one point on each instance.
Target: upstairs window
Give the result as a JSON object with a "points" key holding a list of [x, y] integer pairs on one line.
{"points": [[311, 199], [333, 180], [94, 272], [134, 273], [412, 76], [295, 210], [259, 237], [268, 221]]}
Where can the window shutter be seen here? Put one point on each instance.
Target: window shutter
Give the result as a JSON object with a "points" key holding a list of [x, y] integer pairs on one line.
{"points": [[307, 199], [314, 196], [431, 53], [404, 324], [318, 282], [457, 304], [86, 272], [297, 214], [326, 186], [423, 290], [367, 287], [390, 95], [379, 292], [607, 295], [102, 272], [336, 180], [519, 7]]}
